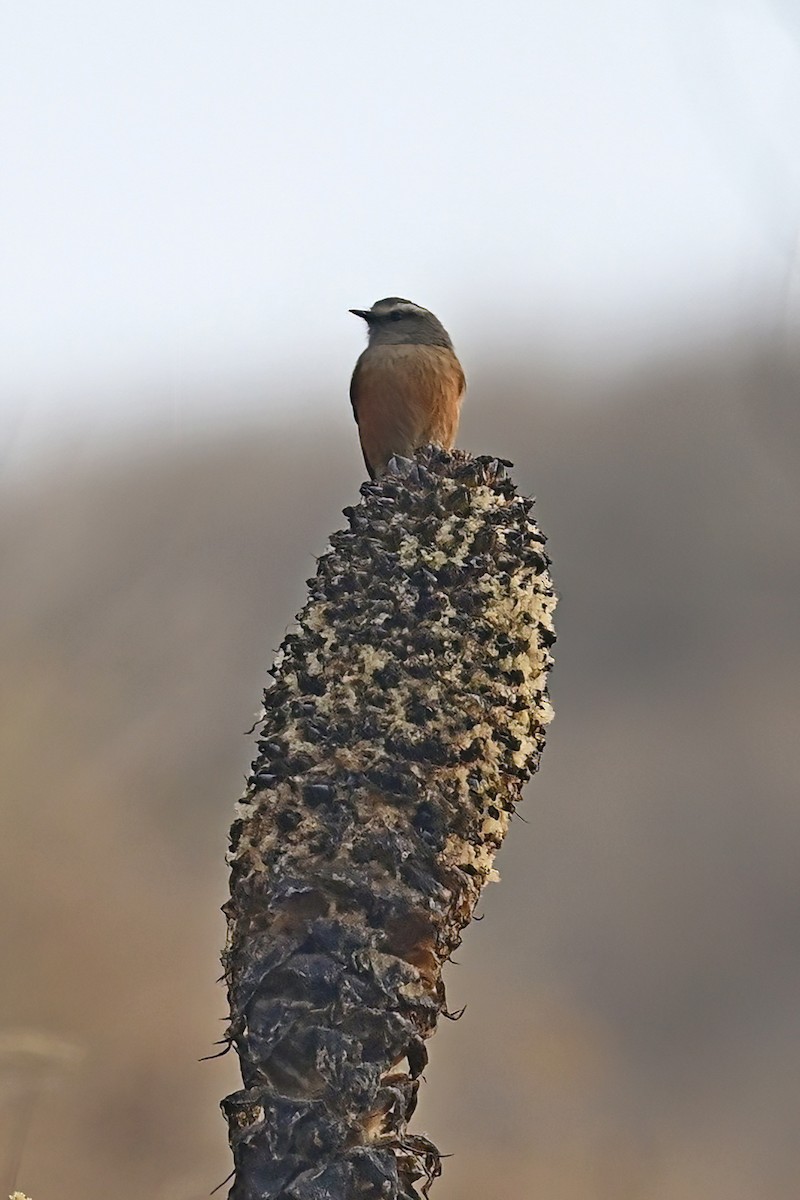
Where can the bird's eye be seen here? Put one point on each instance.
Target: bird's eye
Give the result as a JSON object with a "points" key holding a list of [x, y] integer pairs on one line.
{"points": [[395, 316]]}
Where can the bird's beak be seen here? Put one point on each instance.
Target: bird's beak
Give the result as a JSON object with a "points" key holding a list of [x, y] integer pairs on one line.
{"points": [[364, 313]]}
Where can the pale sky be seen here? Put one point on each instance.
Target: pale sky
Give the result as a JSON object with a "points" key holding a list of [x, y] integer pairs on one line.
{"points": [[194, 192]]}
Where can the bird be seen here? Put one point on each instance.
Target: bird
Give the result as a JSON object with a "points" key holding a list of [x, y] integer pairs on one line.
{"points": [[407, 385]]}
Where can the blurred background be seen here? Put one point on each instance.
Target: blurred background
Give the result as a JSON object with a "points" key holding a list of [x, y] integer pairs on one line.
{"points": [[602, 203]]}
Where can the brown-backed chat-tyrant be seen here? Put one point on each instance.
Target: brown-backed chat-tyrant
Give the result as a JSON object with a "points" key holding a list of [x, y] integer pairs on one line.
{"points": [[408, 384]]}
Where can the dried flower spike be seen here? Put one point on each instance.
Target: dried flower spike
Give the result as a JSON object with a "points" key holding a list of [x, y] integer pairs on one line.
{"points": [[406, 712]]}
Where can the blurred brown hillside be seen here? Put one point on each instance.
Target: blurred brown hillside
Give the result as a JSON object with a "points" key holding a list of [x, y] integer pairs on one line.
{"points": [[633, 992]]}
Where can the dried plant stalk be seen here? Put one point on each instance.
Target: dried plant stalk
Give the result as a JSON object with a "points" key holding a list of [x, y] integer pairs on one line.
{"points": [[408, 709]]}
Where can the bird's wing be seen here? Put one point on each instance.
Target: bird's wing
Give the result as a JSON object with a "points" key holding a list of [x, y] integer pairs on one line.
{"points": [[354, 384]]}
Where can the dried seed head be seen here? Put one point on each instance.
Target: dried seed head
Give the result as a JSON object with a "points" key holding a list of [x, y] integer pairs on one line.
{"points": [[407, 710]]}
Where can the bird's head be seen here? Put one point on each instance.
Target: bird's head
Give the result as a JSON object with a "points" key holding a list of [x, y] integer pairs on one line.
{"points": [[394, 321]]}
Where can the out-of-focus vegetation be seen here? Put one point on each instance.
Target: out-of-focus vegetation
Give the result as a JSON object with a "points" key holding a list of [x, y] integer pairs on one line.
{"points": [[633, 991]]}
